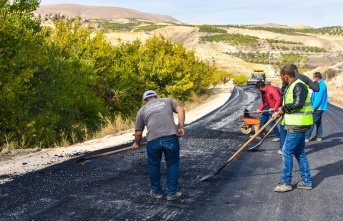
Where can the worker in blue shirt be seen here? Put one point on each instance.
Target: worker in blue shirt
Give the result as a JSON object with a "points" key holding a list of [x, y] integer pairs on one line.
{"points": [[319, 102]]}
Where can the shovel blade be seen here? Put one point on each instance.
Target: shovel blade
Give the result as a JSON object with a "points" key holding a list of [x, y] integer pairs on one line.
{"points": [[208, 176], [255, 148], [246, 113]]}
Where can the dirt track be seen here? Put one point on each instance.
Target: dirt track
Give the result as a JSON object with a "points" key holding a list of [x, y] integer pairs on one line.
{"points": [[117, 187]]}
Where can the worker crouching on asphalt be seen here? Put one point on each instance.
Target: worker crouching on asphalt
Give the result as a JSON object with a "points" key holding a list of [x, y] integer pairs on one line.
{"points": [[271, 100], [163, 137], [296, 108]]}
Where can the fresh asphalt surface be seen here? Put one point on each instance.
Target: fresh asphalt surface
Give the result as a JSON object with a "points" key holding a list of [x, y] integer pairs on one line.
{"points": [[116, 187]]}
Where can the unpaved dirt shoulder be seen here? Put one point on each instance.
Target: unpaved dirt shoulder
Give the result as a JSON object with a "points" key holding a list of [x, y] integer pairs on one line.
{"points": [[19, 165]]}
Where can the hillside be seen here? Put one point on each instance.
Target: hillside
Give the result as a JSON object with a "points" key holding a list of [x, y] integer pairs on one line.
{"points": [[314, 49], [99, 12], [217, 52]]}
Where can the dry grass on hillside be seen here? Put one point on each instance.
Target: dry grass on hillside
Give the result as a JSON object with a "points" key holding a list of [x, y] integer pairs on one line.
{"points": [[335, 90], [102, 12]]}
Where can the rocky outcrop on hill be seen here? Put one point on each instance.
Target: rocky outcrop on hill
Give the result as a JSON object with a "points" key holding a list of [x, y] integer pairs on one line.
{"points": [[56, 16]]}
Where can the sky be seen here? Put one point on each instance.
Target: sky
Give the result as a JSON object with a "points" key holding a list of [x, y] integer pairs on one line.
{"points": [[313, 13]]}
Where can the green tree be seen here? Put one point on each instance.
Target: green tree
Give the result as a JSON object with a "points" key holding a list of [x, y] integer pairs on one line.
{"points": [[21, 55], [58, 83], [70, 85], [157, 64]]}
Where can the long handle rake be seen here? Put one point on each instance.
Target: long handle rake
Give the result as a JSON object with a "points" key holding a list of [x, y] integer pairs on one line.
{"points": [[237, 152], [259, 143], [86, 159]]}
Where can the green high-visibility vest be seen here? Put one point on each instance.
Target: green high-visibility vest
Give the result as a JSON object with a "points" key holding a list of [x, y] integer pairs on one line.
{"points": [[300, 117]]}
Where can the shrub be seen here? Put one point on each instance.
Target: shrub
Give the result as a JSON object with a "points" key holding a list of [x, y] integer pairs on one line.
{"points": [[211, 29], [329, 74]]}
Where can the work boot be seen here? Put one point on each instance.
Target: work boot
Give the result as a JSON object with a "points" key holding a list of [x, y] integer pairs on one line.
{"points": [[157, 196], [301, 185], [283, 187], [176, 196]]}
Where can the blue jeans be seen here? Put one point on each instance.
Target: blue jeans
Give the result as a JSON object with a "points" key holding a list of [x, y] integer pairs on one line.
{"points": [[170, 146], [264, 118], [283, 134], [317, 120], [294, 145]]}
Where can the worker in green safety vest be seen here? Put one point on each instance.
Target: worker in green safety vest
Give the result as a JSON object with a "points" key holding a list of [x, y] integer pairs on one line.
{"points": [[297, 119]]}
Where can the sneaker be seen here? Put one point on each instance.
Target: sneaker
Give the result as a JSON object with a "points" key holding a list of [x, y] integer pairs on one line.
{"points": [[283, 187], [279, 152], [301, 185], [157, 196], [176, 196], [307, 140], [276, 139], [319, 139]]}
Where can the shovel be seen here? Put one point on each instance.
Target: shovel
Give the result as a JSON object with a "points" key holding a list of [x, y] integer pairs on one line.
{"points": [[259, 143], [237, 152], [87, 159]]}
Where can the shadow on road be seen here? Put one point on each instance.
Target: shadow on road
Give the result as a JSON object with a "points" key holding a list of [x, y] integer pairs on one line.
{"points": [[329, 170], [334, 135], [329, 141]]}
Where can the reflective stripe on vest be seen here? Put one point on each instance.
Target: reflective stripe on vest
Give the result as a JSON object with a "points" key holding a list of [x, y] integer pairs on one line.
{"points": [[300, 117]]}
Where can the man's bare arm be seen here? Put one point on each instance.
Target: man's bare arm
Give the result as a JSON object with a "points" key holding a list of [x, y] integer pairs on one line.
{"points": [[138, 138], [181, 115]]}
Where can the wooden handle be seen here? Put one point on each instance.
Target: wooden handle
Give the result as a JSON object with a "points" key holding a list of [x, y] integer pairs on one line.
{"points": [[271, 129], [246, 143], [107, 153], [237, 152], [255, 112]]}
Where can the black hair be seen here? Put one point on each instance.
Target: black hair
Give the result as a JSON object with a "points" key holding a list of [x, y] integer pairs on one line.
{"points": [[295, 67], [318, 75], [288, 70], [260, 84]]}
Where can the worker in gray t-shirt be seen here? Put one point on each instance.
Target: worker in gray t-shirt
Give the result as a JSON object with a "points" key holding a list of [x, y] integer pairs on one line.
{"points": [[157, 115], [163, 138]]}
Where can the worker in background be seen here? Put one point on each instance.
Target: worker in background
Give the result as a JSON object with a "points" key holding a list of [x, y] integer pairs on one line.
{"points": [[297, 119], [319, 102], [271, 101], [314, 86]]}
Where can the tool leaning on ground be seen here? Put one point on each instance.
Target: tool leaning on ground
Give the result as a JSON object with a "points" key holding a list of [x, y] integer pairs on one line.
{"points": [[237, 152], [87, 159], [257, 146]]}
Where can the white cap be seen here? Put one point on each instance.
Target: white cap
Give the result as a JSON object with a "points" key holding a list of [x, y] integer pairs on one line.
{"points": [[149, 93]]}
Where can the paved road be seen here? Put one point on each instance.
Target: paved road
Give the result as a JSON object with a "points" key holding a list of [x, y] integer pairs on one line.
{"points": [[116, 187]]}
